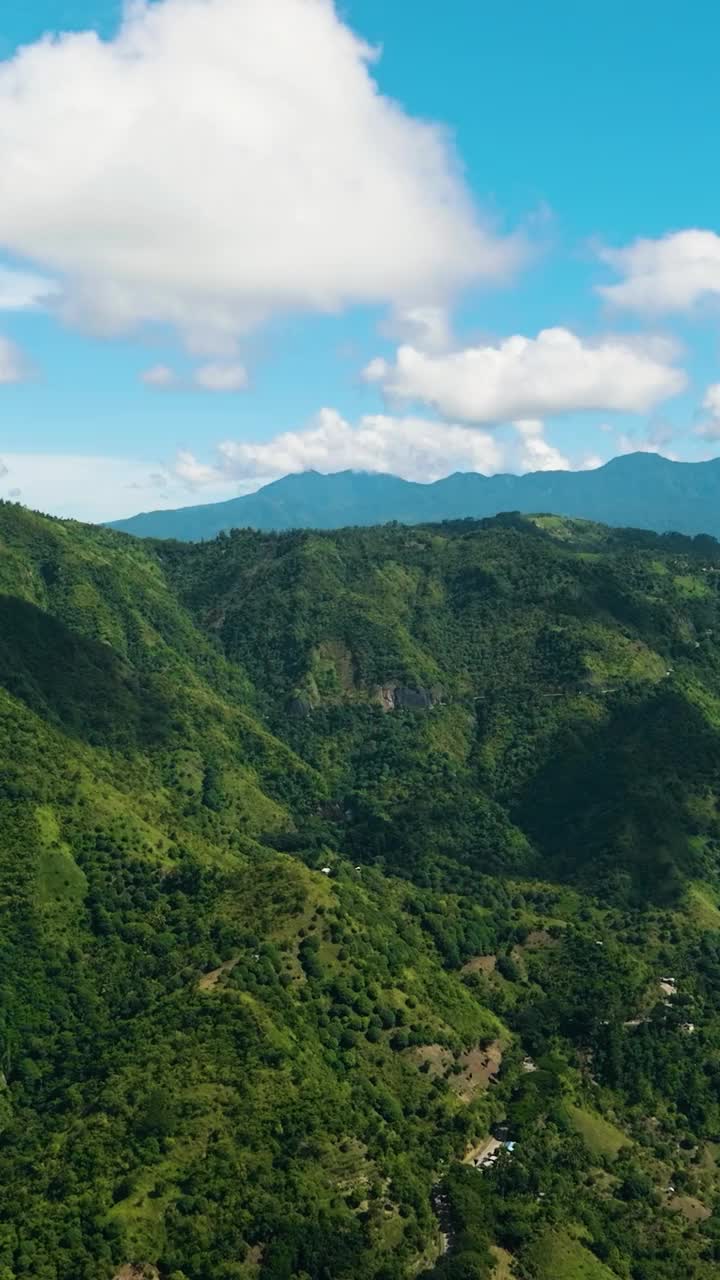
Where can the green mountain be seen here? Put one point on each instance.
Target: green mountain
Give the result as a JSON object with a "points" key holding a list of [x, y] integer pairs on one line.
{"points": [[334, 863], [641, 490]]}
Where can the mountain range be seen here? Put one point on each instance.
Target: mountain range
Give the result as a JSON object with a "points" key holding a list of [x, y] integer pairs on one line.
{"points": [[359, 903], [639, 490]]}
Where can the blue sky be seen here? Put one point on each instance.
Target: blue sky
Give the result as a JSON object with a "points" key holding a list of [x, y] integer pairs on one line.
{"points": [[216, 268]]}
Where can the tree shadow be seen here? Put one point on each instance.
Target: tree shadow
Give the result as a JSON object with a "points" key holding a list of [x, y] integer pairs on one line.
{"points": [[78, 683], [612, 808]]}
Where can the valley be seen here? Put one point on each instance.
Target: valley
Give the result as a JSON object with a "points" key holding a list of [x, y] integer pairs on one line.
{"points": [[333, 863]]}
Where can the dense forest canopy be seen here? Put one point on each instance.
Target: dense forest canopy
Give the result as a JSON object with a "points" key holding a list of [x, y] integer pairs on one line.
{"points": [[360, 902]]}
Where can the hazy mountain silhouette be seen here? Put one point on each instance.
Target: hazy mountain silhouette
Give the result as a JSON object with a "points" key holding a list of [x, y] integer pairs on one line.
{"points": [[642, 490]]}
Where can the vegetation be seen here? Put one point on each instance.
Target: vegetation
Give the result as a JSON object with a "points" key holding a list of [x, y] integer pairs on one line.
{"points": [[326, 857]]}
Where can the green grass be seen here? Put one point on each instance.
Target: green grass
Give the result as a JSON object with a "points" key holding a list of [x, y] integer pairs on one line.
{"points": [[61, 884], [557, 1256], [600, 1136], [702, 906]]}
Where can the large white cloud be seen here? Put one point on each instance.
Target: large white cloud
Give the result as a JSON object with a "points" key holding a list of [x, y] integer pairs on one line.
{"points": [[13, 365], [671, 273], [410, 447], [555, 373], [221, 160]]}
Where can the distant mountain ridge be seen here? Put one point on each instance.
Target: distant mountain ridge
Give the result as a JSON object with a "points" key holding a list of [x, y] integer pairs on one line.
{"points": [[641, 490]]}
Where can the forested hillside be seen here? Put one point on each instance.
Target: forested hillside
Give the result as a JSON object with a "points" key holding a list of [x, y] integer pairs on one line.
{"points": [[334, 863]]}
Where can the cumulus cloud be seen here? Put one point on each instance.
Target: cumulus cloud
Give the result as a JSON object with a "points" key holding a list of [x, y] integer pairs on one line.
{"points": [[519, 378], [671, 273], [21, 290], [410, 447], [537, 454], [709, 427], [222, 160], [13, 365], [221, 377]]}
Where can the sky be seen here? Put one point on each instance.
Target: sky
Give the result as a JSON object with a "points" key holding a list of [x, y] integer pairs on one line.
{"points": [[242, 238]]}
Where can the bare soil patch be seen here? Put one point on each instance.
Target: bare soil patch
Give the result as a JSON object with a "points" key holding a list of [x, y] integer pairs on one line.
{"points": [[209, 981], [436, 1055], [479, 1069], [138, 1271], [482, 1150], [539, 938], [690, 1208], [480, 964]]}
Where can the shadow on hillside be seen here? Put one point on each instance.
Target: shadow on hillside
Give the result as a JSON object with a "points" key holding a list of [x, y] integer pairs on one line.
{"points": [[77, 682], [614, 808]]}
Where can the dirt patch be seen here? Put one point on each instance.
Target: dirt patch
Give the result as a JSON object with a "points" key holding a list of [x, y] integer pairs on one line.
{"points": [[209, 981], [436, 1055], [476, 1155], [479, 1068], [480, 964], [690, 1208], [138, 1271], [539, 938]]}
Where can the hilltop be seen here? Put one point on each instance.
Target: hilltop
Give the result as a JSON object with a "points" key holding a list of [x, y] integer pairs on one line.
{"points": [[330, 861], [640, 490]]}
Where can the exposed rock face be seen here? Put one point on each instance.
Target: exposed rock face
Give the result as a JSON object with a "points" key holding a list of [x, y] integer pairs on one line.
{"points": [[412, 699], [398, 697], [386, 695]]}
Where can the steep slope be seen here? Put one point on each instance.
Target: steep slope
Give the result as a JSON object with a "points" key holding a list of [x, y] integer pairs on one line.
{"points": [[323, 855], [640, 490]]}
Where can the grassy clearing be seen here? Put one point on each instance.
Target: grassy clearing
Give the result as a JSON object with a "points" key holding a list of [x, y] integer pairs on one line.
{"points": [[600, 1136], [702, 906], [61, 883], [503, 1264], [557, 1256]]}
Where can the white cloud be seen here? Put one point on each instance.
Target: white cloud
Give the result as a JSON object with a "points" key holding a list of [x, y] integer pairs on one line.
{"points": [[13, 365], [537, 453], [710, 425], [222, 160], [208, 377], [21, 290], [160, 377], [555, 373], [221, 377], [656, 438], [668, 274], [410, 447], [426, 327]]}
